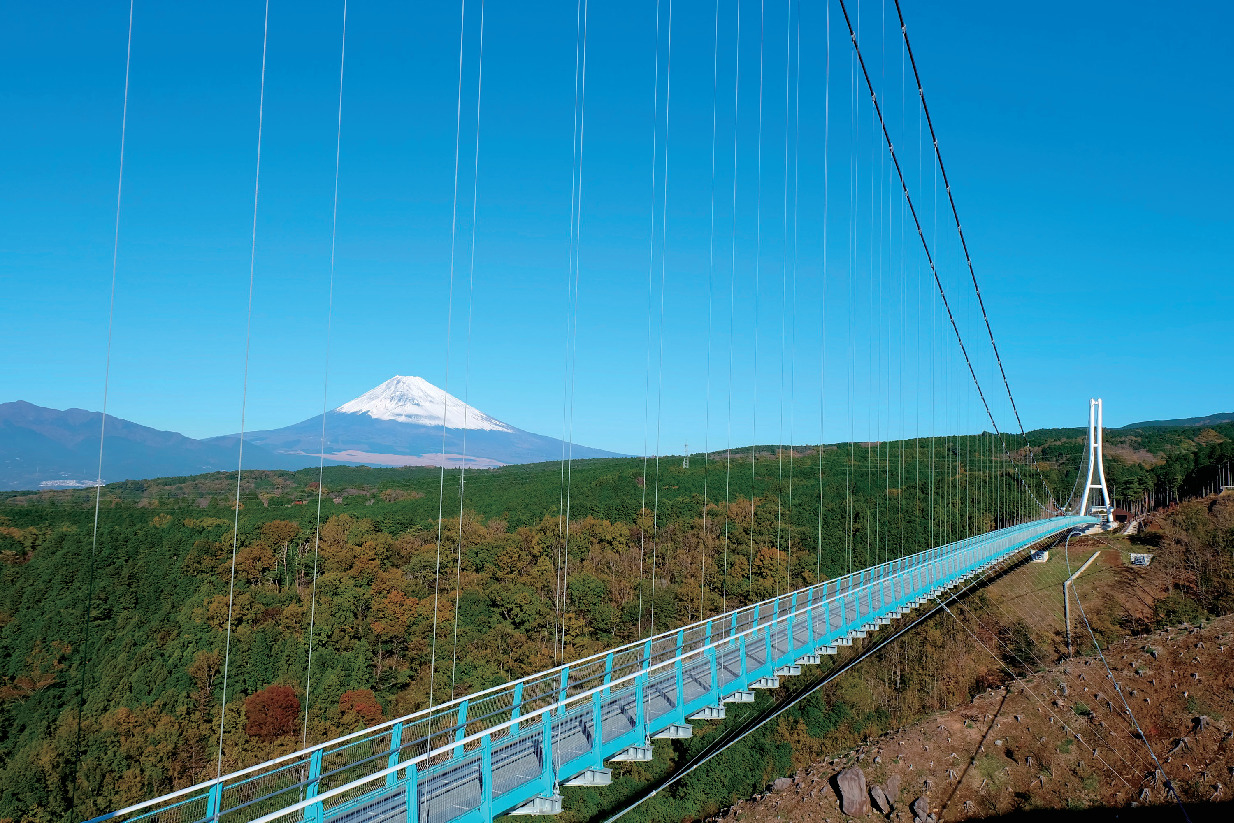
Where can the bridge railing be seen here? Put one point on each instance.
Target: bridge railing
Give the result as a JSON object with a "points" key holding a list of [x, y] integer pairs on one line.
{"points": [[495, 750]]}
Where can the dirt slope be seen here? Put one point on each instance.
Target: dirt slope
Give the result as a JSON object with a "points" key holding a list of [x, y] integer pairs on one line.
{"points": [[1059, 740]]}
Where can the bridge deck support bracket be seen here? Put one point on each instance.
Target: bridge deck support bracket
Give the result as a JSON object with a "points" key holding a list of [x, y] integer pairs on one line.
{"points": [[809, 660], [739, 697], [634, 754], [766, 683], [591, 777], [541, 805], [788, 671], [677, 731], [708, 713]]}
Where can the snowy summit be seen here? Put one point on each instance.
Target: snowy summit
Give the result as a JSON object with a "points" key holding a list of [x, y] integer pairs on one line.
{"points": [[415, 400]]}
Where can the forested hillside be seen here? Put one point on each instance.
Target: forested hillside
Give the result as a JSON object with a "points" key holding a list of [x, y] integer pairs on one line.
{"points": [[98, 713]]}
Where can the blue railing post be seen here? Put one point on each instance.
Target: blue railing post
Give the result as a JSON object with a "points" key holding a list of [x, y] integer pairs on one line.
{"points": [[315, 811], [680, 670], [486, 778], [517, 708], [413, 794], [640, 690], [597, 728], [711, 659], [214, 798], [461, 731], [396, 743], [792, 627]]}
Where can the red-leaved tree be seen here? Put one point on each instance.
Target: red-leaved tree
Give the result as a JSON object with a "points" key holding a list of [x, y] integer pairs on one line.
{"points": [[271, 713]]}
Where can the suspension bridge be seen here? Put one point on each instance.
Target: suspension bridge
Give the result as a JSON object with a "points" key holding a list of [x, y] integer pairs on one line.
{"points": [[512, 748], [516, 748]]}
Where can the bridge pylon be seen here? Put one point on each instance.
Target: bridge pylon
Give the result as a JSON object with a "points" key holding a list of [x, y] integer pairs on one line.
{"points": [[1095, 500]]}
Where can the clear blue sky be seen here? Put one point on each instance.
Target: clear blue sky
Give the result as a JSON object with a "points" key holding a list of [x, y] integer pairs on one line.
{"points": [[1087, 145]]}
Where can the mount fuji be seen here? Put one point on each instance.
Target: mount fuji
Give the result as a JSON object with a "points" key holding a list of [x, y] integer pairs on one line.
{"points": [[401, 423]]}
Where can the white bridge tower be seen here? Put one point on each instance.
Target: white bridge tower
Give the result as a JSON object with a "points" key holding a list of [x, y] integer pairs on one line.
{"points": [[1094, 481]]}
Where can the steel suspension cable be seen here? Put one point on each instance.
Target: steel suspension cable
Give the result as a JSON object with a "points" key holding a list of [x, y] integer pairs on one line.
{"points": [[1169, 784], [471, 280], [441, 488], [651, 265], [732, 307], [572, 321], [88, 611], [955, 213], [758, 249], [711, 274], [248, 336], [822, 370], [325, 381], [655, 517], [792, 349], [920, 232]]}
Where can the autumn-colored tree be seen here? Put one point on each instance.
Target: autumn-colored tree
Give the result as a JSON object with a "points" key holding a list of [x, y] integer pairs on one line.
{"points": [[42, 667], [280, 534], [359, 708], [271, 713]]}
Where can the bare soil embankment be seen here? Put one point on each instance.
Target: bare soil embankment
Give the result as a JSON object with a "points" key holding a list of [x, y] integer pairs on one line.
{"points": [[1059, 741]]}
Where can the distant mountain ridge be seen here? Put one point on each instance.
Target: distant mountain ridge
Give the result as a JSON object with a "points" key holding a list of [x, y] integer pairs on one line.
{"points": [[42, 447], [1184, 422], [405, 421]]}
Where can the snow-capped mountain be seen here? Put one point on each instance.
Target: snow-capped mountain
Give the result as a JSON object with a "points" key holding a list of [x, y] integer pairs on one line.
{"points": [[400, 423], [415, 400]]}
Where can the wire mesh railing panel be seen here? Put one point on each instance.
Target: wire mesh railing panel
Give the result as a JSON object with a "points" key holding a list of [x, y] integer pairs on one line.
{"points": [[191, 810], [450, 791], [586, 676], [745, 619], [756, 650], [779, 639], [541, 693], [694, 638], [728, 664], [490, 711], [618, 715], [801, 629], [517, 763], [389, 806], [660, 696], [663, 648], [340, 767], [258, 794], [415, 740], [573, 736], [627, 662], [696, 678]]}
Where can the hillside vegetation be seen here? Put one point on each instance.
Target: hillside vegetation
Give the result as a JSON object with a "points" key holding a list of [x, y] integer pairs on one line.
{"points": [[97, 714]]}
